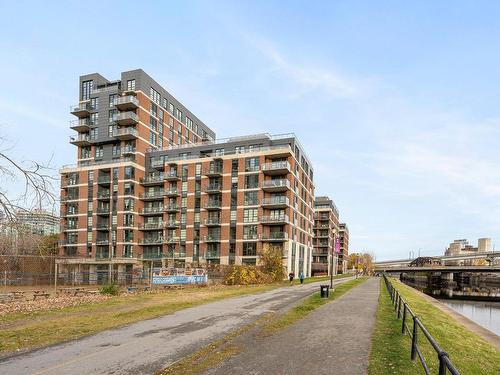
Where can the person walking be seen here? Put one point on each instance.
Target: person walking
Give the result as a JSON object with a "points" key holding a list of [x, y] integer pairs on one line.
{"points": [[301, 278], [291, 275]]}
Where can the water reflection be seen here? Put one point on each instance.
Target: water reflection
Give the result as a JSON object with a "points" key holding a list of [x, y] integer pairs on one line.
{"points": [[486, 314]]}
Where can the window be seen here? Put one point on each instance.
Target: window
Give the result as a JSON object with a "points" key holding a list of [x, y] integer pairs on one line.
{"points": [[251, 181], [178, 114], [94, 103], [86, 89], [154, 95], [164, 102], [112, 100], [116, 150], [250, 215], [129, 172], [251, 198], [171, 108], [94, 118], [152, 123], [85, 153], [252, 164], [99, 152], [154, 109], [219, 152], [111, 129], [249, 248], [111, 115], [131, 85], [152, 138], [250, 232], [239, 149], [91, 176], [189, 123], [198, 169]]}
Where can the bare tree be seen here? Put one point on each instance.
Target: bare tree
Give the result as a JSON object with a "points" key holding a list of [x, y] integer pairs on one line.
{"points": [[37, 180]]}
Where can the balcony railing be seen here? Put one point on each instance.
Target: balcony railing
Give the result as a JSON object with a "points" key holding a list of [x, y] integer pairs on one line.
{"points": [[104, 180], [125, 133], [212, 254], [126, 102], [213, 188], [151, 226], [157, 163], [151, 210], [151, 241], [275, 201], [212, 238], [281, 219], [213, 171], [81, 109], [250, 236], [152, 179], [127, 150], [103, 195], [153, 195], [171, 175], [281, 184], [80, 140], [172, 239], [126, 118], [81, 125], [171, 223], [276, 167], [171, 207], [152, 255], [69, 182], [274, 236], [171, 192], [212, 221], [213, 205]]}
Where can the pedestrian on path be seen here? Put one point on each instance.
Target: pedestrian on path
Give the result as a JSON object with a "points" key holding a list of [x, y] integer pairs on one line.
{"points": [[291, 275], [301, 277]]}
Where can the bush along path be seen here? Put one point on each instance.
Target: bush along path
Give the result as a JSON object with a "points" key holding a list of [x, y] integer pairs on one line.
{"points": [[313, 337]]}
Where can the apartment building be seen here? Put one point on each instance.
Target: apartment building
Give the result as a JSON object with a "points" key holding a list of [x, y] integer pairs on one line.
{"points": [[152, 187], [326, 231], [344, 248], [117, 123], [38, 221]]}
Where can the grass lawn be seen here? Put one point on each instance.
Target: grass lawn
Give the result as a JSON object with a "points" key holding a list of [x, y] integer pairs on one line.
{"points": [[391, 351], [21, 331]]}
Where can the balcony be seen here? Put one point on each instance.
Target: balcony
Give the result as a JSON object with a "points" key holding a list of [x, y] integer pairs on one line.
{"points": [[81, 125], [274, 236], [213, 205], [152, 180], [322, 244], [151, 226], [250, 237], [69, 198], [81, 109], [125, 134], [103, 196], [322, 235], [172, 240], [171, 192], [213, 188], [274, 220], [152, 255], [212, 222], [157, 163], [151, 196], [151, 241], [151, 211], [102, 226], [212, 238], [125, 103], [80, 140], [66, 243], [104, 180], [321, 226], [171, 176], [128, 150], [212, 254], [69, 182], [171, 207], [69, 228], [213, 172], [102, 242], [276, 185], [103, 211], [126, 118], [102, 255], [276, 168], [171, 224], [69, 213], [275, 202]]}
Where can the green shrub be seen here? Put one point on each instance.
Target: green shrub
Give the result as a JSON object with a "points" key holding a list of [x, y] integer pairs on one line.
{"points": [[110, 289]]}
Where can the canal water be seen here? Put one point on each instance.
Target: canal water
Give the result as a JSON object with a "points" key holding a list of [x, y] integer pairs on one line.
{"points": [[486, 314]]}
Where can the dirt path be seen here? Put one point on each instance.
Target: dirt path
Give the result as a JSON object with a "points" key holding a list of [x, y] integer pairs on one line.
{"points": [[334, 339]]}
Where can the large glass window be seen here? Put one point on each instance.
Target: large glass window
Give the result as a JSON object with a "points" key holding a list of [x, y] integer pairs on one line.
{"points": [[250, 215], [131, 85], [251, 198], [86, 89], [251, 164], [251, 181]]}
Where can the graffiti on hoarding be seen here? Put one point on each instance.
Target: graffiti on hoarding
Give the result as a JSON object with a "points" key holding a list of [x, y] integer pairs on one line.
{"points": [[167, 280]]}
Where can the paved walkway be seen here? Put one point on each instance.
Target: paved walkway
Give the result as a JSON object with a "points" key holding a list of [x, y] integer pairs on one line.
{"points": [[334, 339], [150, 345]]}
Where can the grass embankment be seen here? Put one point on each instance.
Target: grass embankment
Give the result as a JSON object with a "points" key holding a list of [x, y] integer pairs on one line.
{"points": [[391, 351], [217, 352], [22, 331]]}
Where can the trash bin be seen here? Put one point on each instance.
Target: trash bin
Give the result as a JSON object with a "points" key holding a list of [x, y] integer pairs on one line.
{"points": [[324, 291]]}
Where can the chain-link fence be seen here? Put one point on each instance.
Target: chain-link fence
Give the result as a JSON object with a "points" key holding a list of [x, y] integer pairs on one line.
{"points": [[22, 270]]}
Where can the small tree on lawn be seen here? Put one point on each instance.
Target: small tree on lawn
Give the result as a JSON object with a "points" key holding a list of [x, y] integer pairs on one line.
{"points": [[272, 262]]}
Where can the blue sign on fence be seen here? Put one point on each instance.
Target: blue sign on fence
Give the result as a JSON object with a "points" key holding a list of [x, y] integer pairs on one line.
{"points": [[180, 279]]}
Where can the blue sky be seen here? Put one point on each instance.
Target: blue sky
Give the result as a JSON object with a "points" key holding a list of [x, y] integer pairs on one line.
{"points": [[397, 103]]}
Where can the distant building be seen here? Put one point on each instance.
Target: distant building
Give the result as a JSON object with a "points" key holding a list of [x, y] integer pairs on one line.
{"points": [[344, 248], [462, 246], [484, 245], [326, 231], [425, 262], [38, 222]]}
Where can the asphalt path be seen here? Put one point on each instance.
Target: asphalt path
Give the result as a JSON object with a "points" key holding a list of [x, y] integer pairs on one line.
{"points": [[150, 345]]}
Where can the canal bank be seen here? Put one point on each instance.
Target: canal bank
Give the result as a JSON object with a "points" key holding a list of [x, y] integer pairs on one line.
{"points": [[486, 314], [471, 348]]}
